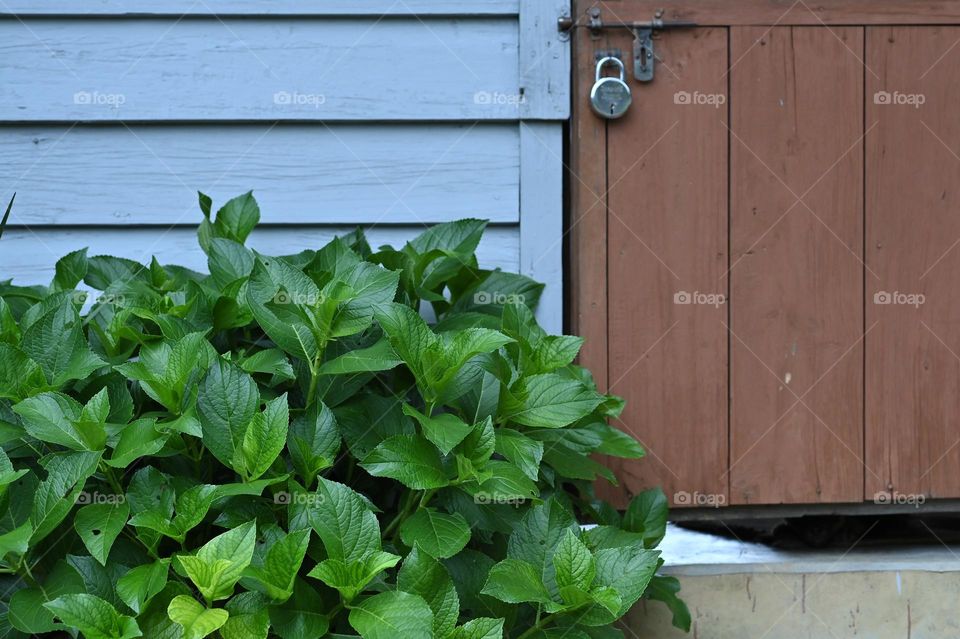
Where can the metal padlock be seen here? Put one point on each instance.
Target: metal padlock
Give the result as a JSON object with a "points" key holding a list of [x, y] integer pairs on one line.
{"points": [[610, 96]]}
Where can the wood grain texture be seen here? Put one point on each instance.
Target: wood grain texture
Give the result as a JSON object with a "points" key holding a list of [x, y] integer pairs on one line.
{"points": [[586, 227], [796, 279], [667, 244], [913, 370], [261, 69], [544, 60], [259, 7], [28, 255], [302, 174], [786, 12], [541, 228]]}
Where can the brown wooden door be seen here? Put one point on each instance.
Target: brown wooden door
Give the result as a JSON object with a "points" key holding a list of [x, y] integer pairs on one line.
{"points": [[766, 249]]}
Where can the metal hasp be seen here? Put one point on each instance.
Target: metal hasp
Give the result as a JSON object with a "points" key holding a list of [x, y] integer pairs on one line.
{"points": [[643, 56]]}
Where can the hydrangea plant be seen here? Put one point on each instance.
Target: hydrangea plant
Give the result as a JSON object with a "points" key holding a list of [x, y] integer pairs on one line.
{"points": [[285, 447]]}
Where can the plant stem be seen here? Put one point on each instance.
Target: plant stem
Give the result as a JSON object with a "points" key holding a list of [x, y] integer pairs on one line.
{"points": [[537, 626], [404, 511]]}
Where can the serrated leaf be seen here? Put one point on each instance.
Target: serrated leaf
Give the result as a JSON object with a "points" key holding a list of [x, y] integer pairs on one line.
{"points": [[99, 525], [410, 459], [344, 522], [70, 270], [56, 495], [516, 581], [313, 441], [264, 438], [237, 218], [219, 564], [20, 376], [423, 575], [93, 616], [137, 439], [665, 588], [142, 583], [573, 563], [227, 402], [57, 419], [197, 622], [379, 357], [440, 535], [300, 617], [393, 614], [445, 430], [351, 578], [249, 618], [276, 576], [525, 453], [548, 401], [647, 514], [480, 628]]}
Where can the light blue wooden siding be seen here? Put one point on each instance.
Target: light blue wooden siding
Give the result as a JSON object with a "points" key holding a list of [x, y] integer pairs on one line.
{"points": [[388, 115]]}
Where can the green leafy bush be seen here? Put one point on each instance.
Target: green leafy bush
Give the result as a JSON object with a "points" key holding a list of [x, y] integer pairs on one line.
{"points": [[285, 448]]}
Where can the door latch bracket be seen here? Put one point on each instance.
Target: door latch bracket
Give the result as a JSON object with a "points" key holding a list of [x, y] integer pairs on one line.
{"points": [[643, 54]]}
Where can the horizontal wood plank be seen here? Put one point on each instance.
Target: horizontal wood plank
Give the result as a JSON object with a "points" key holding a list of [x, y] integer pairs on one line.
{"points": [[301, 174], [259, 7], [779, 12], [28, 255], [276, 69]]}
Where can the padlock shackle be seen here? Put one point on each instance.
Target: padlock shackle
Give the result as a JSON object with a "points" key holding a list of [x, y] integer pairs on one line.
{"points": [[602, 62]]}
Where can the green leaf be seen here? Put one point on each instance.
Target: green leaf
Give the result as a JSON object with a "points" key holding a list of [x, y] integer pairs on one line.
{"points": [[219, 564], [276, 576], [379, 357], [445, 431], [626, 570], [351, 578], [523, 452], [548, 401], [480, 628], [344, 522], [56, 495], [665, 589], [393, 614], [264, 438], [573, 563], [438, 534], [647, 514], [58, 419], [237, 218], [300, 617], [197, 622], [139, 585], [228, 261], [410, 459], [271, 361], [313, 441], [6, 214], [227, 401], [93, 616], [506, 484], [99, 525], [70, 270], [137, 439], [20, 376], [616, 442], [516, 581], [26, 611], [55, 341], [16, 541], [249, 618], [424, 576]]}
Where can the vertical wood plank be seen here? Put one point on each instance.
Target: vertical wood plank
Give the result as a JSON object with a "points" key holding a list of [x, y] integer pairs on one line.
{"points": [[667, 252], [541, 216], [544, 60], [587, 223], [913, 249], [796, 278]]}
